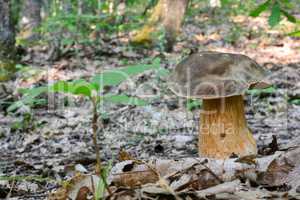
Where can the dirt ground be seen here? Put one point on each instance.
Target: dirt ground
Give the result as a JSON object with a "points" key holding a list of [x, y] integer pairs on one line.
{"points": [[56, 140]]}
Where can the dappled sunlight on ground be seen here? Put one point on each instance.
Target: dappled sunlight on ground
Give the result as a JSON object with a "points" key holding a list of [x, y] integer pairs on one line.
{"points": [[246, 35]]}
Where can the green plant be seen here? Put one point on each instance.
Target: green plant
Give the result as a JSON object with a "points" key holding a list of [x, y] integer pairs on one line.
{"points": [[295, 101], [93, 90], [295, 34], [30, 97], [73, 27], [24, 124], [277, 8], [192, 104], [258, 92], [26, 178], [101, 185], [235, 34]]}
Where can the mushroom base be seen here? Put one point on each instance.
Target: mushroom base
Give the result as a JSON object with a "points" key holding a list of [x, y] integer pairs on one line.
{"points": [[223, 129]]}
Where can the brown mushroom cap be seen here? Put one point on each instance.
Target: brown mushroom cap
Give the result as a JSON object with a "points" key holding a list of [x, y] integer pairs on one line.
{"points": [[209, 75]]}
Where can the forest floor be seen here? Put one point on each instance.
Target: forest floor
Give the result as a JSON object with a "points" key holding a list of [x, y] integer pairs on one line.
{"points": [[45, 152]]}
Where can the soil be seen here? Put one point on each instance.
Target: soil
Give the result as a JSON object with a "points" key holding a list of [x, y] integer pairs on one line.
{"points": [[56, 140]]}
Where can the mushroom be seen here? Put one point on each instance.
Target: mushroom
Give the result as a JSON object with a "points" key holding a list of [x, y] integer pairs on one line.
{"points": [[221, 80]]}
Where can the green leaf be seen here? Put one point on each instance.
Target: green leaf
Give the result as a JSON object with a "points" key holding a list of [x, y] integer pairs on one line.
{"points": [[295, 101], [77, 87], [289, 17], [34, 92], [124, 99], [115, 77], [262, 7], [100, 189], [295, 34], [28, 98], [274, 18], [193, 104], [14, 106], [256, 92], [84, 90], [25, 178], [224, 2], [82, 87], [62, 86]]}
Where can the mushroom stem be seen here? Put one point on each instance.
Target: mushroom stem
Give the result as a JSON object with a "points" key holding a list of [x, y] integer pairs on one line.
{"points": [[223, 129]]}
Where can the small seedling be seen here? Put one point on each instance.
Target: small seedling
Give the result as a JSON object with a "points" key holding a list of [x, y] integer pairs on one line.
{"points": [[93, 90]]}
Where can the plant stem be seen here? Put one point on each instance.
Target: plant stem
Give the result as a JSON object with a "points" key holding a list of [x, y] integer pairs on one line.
{"points": [[98, 160], [95, 128]]}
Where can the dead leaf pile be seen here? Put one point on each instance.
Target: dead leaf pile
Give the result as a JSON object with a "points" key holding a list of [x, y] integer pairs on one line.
{"points": [[194, 178]]}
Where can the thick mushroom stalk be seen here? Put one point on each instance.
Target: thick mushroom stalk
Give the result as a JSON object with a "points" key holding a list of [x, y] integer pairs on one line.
{"points": [[223, 129], [221, 80]]}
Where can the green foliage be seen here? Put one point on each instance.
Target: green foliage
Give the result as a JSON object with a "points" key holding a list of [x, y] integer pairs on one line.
{"points": [[295, 34], [26, 178], [262, 7], [78, 87], [70, 27], [24, 124], [29, 98], [193, 104], [234, 35], [277, 8], [100, 190], [101, 16], [289, 17], [295, 101], [236, 7], [123, 99], [258, 92], [16, 7], [274, 18], [162, 72], [115, 77], [93, 90]]}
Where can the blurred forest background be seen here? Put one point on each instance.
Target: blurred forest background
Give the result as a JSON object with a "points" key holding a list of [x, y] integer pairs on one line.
{"points": [[66, 46], [63, 25]]}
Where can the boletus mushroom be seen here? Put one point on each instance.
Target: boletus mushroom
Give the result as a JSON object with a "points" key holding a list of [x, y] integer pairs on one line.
{"points": [[221, 80]]}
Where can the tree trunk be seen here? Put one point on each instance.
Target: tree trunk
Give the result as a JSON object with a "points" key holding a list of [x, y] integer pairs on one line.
{"points": [[169, 14], [31, 19], [7, 41]]}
